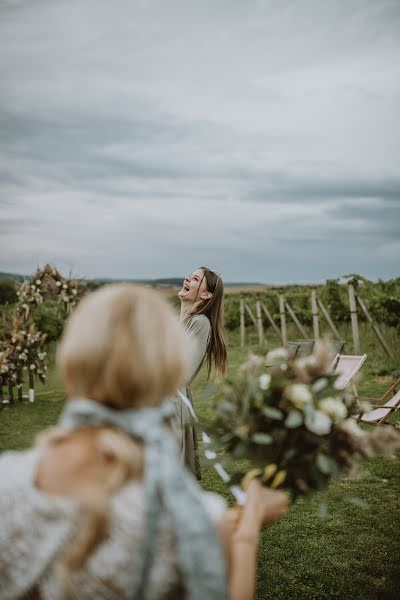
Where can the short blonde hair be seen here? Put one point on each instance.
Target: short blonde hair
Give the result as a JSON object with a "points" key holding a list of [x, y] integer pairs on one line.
{"points": [[124, 347]]}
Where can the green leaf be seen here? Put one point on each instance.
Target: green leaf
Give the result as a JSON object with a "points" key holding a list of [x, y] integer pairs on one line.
{"points": [[294, 419], [262, 438], [226, 407], [326, 465], [272, 413], [240, 451]]}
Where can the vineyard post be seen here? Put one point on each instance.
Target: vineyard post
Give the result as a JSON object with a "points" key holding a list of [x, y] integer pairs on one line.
{"points": [[270, 319], [19, 385], [314, 310], [295, 319], [374, 326], [31, 387], [242, 323], [327, 317], [250, 313], [283, 318], [261, 338], [354, 318]]}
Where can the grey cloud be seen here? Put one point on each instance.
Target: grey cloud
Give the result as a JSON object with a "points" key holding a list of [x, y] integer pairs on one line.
{"points": [[263, 137]]}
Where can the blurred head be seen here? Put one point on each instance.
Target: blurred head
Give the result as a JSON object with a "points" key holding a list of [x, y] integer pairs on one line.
{"points": [[203, 292], [123, 347]]}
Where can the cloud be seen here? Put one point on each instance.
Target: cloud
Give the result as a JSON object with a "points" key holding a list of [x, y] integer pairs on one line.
{"points": [[260, 138]]}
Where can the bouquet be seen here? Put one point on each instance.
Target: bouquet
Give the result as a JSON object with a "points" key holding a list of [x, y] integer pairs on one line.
{"points": [[291, 426]]}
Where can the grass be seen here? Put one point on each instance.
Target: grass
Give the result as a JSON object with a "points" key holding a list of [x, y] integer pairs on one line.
{"points": [[351, 552]]}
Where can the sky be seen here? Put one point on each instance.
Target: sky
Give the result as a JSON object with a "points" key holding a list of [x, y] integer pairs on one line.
{"points": [[144, 138]]}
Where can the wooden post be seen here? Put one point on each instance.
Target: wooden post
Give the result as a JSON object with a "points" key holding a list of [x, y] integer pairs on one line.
{"points": [[250, 313], [1, 390], [31, 387], [314, 310], [261, 338], [374, 326], [19, 386], [328, 318], [283, 318], [242, 323], [10, 393], [354, 319], [272, 322], [295, 319]]}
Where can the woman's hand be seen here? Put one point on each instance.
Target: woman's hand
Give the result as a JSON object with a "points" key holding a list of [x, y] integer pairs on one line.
{"points": [[265, 505]]}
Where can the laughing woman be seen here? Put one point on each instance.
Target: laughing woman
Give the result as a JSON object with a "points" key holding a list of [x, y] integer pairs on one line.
{"points": [[202, 309]]}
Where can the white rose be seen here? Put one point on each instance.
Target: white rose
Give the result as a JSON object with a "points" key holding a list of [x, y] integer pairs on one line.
{"points": [[38, 282], [58, 283], [299, 394], [317, 422], [333, 408], [32, 367], [264, 381], [276, 356]]}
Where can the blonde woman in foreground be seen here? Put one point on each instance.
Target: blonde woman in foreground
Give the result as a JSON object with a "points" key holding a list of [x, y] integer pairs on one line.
{"points": [[101, 507]]}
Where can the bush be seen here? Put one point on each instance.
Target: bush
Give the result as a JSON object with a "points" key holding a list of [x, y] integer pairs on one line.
{"points": [[8, 293], [49, 318]]}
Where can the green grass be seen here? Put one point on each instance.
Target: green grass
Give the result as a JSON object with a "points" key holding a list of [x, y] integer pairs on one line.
{"points": [[352, 552]]}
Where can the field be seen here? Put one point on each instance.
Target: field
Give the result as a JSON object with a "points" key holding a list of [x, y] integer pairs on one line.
{"points": [[351, 552]]}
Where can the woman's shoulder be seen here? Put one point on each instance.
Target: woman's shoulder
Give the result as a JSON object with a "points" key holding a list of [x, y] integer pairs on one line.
{"points": [[198, 323]]}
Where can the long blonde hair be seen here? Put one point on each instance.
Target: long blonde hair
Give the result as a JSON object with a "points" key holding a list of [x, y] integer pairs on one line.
{"points": [[122, 347]]}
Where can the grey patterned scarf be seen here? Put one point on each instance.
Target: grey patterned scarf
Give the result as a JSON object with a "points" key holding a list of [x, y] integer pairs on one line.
{"points": [[167, 487]]}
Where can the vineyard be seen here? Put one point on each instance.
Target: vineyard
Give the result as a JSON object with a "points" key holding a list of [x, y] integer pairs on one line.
{"points": [[34, 311]]}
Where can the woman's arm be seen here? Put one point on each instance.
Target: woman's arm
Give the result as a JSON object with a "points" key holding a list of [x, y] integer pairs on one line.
{"points": [[263, 507]]}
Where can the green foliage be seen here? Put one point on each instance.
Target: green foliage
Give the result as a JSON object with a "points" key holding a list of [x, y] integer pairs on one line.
{"points": [[334, 297], [381, 298], [49, 318], [8, 293]]}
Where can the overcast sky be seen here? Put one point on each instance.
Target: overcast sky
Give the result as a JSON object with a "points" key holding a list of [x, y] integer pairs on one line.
{"points": [[143, 138]]}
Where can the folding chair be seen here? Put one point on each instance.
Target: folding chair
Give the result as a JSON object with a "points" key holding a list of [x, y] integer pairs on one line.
{"points": [[347, 366], [299, 348], [337, 346], [388, 404]]}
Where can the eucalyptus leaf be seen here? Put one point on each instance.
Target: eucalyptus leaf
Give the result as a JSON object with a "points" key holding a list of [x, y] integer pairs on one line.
{"points": [[272, 413], [326, 465], [294, 419], [262, 438], [226, 407]]}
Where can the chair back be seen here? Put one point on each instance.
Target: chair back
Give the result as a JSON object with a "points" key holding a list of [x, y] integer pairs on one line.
{"points": [[299, 348], [346, 366]]}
